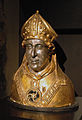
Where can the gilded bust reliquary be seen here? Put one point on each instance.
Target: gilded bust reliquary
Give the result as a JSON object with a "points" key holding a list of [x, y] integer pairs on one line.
{"points": [[39, 81]]}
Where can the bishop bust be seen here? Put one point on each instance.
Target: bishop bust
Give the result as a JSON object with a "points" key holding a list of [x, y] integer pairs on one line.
{"points": [[39, 81]]}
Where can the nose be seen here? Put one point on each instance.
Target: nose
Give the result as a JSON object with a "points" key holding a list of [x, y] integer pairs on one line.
{"points": [[34, 54]]}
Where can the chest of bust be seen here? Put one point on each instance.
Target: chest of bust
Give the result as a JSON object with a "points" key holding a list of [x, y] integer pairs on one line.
{"points": [[42, 84], [34, 90]]}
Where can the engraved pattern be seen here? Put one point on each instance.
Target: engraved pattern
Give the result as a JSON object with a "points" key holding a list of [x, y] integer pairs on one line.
{"points": [[37, 28], [36, 98], [29, 89]]}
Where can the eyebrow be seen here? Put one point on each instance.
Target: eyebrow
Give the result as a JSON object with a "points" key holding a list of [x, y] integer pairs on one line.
{"points": [[35, 44], [28, 44]]}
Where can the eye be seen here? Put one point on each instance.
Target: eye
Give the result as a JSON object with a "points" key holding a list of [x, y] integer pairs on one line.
{"points": [[39, 46], [29, 46]]}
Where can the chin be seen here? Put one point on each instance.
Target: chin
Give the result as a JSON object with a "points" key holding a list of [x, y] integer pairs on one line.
{"points": [[35, 68]]}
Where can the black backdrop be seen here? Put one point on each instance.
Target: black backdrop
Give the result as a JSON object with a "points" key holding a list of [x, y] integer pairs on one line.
{"points": [[64, 14]]}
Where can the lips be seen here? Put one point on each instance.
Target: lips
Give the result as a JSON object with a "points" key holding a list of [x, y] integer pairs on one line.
{"points": [[34, 61]]}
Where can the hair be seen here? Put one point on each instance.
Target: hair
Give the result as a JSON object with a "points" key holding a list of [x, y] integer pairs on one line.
{"points": [[51, 48]]}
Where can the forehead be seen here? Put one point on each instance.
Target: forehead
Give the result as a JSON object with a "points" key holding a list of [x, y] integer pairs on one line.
{"points": [[35, 41]]}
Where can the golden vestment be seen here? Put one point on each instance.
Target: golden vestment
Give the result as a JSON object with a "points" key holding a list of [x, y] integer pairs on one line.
{"points": [[48, 88]]}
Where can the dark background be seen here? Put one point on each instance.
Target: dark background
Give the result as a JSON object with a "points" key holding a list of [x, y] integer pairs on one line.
{"points": [[65, 14]]}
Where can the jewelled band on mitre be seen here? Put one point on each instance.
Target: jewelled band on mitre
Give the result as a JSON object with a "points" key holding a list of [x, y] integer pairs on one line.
{"points": [[37, 28]]}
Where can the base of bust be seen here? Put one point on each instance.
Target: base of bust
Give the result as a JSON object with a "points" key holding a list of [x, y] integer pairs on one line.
{"points": [[73, 107]]}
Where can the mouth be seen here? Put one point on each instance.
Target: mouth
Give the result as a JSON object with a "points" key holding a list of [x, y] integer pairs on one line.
{"points": [[35, 61]]}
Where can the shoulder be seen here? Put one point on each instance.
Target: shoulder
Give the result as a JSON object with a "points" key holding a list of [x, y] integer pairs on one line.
{"points": [[18, 73], [64, 95]]}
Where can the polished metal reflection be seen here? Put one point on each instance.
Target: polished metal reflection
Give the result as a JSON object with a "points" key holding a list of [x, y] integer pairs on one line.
{"points": [[37, 55], [39, 81]]}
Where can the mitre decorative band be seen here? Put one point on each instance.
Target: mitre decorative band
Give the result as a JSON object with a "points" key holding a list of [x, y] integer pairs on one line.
{"points": [[37, 28]]}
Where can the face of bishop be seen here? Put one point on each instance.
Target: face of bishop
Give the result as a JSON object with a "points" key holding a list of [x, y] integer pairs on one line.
{"points": [[37, 54]]}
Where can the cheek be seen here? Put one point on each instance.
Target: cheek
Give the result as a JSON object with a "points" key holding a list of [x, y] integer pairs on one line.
{"points": [[28, 52], [28, 56], [43, 55], [39, 52]]}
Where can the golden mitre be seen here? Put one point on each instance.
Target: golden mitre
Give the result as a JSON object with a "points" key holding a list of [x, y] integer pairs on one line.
{"points": [[49, 88], [38, 28]]}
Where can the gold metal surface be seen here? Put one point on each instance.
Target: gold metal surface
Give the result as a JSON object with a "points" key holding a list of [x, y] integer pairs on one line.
{"points": [[58, 91], [37, 28], [49, 87]]}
